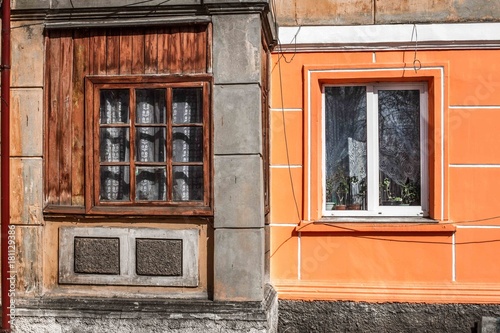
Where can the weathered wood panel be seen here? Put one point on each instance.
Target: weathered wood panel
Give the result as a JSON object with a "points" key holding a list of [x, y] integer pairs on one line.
{"points": [[80, 70], [52, 141], [138, 54], [151, 52], [126, 53], [113, 53], [65, 123], [72, 55]]}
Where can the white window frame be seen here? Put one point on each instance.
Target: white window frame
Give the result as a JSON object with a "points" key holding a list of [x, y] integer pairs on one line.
{"points": [[373, 208]]}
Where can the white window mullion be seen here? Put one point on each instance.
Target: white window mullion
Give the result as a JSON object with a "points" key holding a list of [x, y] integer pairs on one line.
{"points": [[424, 153], [372, 148]]}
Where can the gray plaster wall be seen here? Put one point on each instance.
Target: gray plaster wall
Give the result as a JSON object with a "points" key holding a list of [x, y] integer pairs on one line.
{"points": [[357, 317]]}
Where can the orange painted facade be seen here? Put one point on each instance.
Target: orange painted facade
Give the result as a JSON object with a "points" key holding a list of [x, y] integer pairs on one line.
{"points": [[451, 258]]}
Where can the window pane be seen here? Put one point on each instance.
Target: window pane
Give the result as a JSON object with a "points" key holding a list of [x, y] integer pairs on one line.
{"points": [[187, 144], [114, 144], [150, 144], [399, 147], [345, 139], [115, 183], [188, 183], [151, 184], [150, 106], [114, 107], [187, 106]]}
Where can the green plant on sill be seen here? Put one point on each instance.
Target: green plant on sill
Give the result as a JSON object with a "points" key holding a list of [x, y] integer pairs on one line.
{"points": [[386, 188], [409, 192], [343, 185], [330, 183]]}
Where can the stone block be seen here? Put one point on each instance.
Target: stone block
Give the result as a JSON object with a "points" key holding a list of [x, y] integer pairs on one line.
{"points": [[237, 119], [26, 122], [220, 2], [26, 188], [61, 4], [238, 192], [30, 4], [97, 255], [239, 264], [160, 257], [28, 260], [112, 256], [325, 12], [236, 48], [430, 11], [489, 325], [28, 54]]}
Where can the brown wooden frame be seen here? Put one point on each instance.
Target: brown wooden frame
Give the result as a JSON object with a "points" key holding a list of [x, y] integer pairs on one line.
{"points": [[93, 205]]}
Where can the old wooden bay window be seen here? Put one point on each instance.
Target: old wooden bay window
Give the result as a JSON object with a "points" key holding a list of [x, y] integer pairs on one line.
{"points": [[150, 144], [374, 151]]}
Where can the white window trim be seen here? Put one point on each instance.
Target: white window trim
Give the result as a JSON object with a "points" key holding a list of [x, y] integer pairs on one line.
{"points": [[373, 207]]}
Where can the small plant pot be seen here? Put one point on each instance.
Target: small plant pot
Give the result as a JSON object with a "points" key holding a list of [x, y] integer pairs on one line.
{"points": [[354, 207], [340, 207], [391, 203], [330, 205]]}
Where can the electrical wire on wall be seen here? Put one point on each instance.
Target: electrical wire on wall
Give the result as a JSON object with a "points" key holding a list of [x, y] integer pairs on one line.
{"points": [[285, 136]]}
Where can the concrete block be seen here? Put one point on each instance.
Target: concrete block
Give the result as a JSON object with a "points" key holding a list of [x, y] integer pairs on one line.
{"points": [[237, 119], [489, 325], [28, 260], [30, 4], [160, 257], [119, 247], [430, 11], [60, 4], [236, 48], [27, 54], [26, 188], [239, 264], [26, 125], [234, 1], [238, 192], [325, 12], [97, 255]]}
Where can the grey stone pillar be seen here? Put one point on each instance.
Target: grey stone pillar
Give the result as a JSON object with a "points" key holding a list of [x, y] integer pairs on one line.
{"points": [[238, 181]]}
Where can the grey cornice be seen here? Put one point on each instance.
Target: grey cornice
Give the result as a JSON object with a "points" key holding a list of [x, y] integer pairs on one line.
{"points": [[404, 46], [194, 11]]}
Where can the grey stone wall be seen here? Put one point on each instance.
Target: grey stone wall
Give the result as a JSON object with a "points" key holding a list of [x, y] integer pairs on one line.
{"points": [[357, 317], [146, 316], [238, 164]]}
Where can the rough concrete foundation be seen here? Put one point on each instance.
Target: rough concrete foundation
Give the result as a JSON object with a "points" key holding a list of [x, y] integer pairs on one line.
{"points": [[357, 317]]}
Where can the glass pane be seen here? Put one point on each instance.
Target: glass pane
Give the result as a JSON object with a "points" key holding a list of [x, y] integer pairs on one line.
{"points": [[187, 106], [114, 108], [115, 183], [114, 144], [150, 144], [187, 144], [188, 183], [151, 184], [399, 147], [345, 146], [150, 106]]}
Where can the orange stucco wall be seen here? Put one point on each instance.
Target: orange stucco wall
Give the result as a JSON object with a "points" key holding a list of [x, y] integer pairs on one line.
{"points": [[452, 260]]}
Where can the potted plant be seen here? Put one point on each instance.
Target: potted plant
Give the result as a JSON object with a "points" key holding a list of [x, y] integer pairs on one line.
{"points": [[355, 203], [343, 186], [409, 192], [330, 183], [391, 200], [362, 189]]}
